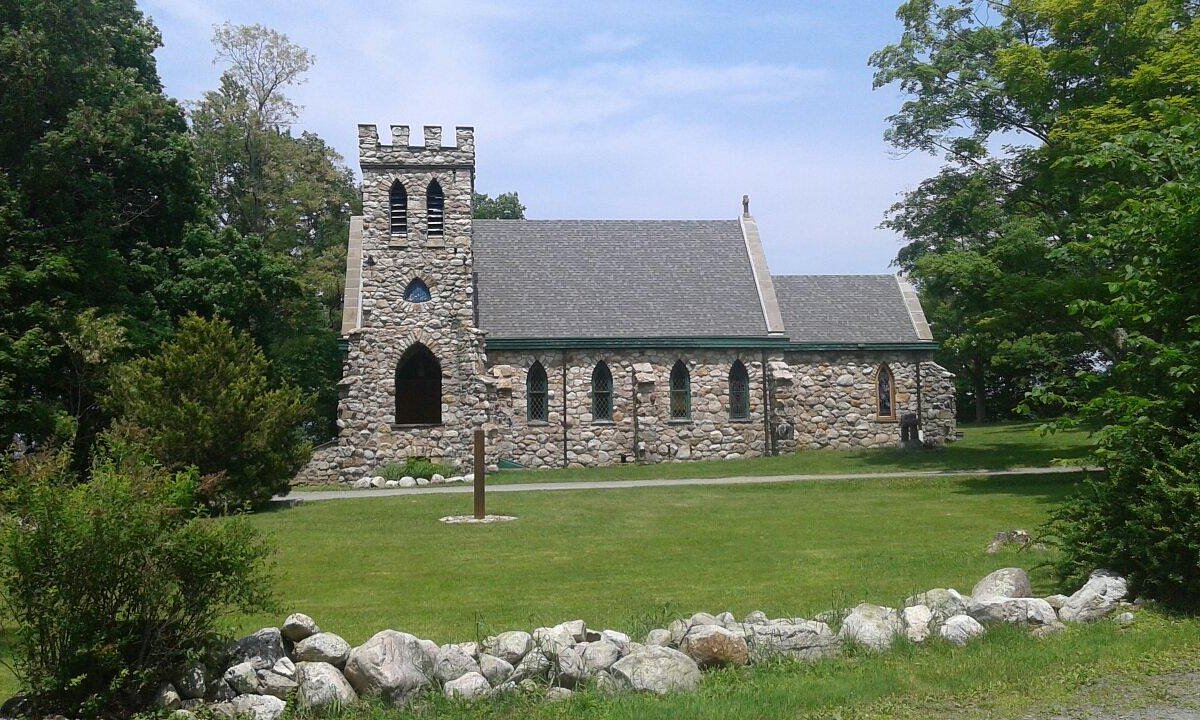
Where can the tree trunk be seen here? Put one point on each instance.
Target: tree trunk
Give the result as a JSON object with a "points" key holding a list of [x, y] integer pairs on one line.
{"points": [[980, 389]]}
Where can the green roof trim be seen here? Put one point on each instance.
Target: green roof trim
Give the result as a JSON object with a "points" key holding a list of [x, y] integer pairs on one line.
{"points": [[766, 343]]}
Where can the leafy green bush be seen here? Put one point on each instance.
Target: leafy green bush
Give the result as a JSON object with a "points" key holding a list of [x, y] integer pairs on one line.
{"points": [[112, 585], [205, 401], [392, 471], [1141, 518]]}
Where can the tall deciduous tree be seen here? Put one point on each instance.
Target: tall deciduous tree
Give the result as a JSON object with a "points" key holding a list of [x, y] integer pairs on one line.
{"points": [[1006, 90], [505, 206], [97, 185]]}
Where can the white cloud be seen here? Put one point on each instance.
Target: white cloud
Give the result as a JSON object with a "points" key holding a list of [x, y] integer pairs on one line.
{"points": [[610, 43]]}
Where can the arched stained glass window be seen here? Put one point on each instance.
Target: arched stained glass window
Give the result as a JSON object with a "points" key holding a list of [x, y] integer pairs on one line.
{"points": [[417, 291], [398, 202], [537, 391], [739, 391], [886, 390], [602, 392], [435, 209], [681, 392]]}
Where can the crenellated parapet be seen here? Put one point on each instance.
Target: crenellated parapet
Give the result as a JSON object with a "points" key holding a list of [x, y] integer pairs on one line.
{"points": [[372, 153]]}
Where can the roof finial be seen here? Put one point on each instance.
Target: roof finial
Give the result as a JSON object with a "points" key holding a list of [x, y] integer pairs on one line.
{"points": [[746, 205]]}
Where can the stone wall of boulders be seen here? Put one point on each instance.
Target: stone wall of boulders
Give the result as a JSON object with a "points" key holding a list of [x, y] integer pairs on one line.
{"points": [[301, 664]]}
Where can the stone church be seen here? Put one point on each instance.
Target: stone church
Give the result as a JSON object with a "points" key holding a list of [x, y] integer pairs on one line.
{"points": [[601, 342]]}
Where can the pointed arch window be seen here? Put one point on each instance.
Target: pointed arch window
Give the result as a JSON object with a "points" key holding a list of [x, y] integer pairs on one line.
{"points": [[417, 291], [602, 392], [885, 385], [398, 202], [681, 392], [418, 387], [739, 391], [537, 392], [435, 209]]}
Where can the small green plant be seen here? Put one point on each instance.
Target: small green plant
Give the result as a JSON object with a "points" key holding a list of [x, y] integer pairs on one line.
{"points": [[114, 584], [422, 468], [392, 471]]}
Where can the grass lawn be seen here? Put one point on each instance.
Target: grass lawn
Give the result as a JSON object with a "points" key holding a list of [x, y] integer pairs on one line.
{"points": [[630, 559]]}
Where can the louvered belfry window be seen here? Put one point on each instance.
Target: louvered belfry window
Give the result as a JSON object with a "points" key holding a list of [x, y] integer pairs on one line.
{"points": [[681, 392], [602, 392], [435, 209], [739, 391], [398, 200], [537, 391]]}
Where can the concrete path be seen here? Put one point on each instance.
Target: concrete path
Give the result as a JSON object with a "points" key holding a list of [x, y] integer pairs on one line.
{"points": [[316, 495]]}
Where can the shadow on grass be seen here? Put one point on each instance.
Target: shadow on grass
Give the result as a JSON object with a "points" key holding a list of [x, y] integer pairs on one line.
{"points": [[992, 456], [1046, 489]]}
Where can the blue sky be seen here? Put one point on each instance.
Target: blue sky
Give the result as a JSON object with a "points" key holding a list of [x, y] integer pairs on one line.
{"points": [[652, 109]]}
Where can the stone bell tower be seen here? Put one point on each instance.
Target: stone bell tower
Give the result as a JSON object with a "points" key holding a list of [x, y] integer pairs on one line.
{"points": [[411, 380]]}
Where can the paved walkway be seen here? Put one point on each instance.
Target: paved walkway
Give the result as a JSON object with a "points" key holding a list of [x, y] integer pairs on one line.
{"points": [[315, 495]]}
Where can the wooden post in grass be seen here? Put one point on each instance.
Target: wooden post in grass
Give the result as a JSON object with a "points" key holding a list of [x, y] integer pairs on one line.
{"points": [[480, 468]]}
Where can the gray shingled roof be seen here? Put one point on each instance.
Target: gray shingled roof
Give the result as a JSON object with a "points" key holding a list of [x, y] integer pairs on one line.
{"points": [[843, 309], [615, 278]]}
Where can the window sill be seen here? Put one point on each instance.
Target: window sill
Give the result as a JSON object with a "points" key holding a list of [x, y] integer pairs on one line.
{"points": [[538, 423], [603, 422], [679, 421], [414, 426], [741, 421], [887, 419]]}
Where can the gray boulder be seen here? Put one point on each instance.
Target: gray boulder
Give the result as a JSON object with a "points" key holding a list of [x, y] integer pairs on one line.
{"points": [[242, 678], [942, 602], [453, 662], [555, 694], [534, 666], [323, 647], [756, 617], [809, 640], [570, 668], [468, 686], [298, 626], [873, 626], [1003, 583], [553, 640], [1097, 598], [168, 698], [619, 639], [960, 630], [258, 707], [391, 664], [272, 683], [714, 646], [264, 648], [193, 683], [322, 685], [509, 646], [496, 671], [285, 667], [659, 637], [1014, 611], [658, 670], [1057, 601], [600, 655]]}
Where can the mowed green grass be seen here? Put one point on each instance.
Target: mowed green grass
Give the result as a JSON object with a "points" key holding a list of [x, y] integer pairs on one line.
{"points": [[632, 558], [982, 447], [618, 557]]}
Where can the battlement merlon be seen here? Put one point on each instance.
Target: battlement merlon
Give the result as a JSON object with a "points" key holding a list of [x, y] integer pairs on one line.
{"points": [[371, 152]]}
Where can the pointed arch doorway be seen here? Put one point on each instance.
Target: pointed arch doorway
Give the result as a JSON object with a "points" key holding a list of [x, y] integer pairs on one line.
{"points": [[418, 387]]}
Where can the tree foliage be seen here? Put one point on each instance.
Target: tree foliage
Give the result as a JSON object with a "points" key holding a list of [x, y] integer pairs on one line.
{"points": [[112, 585], [505, 206], [205, 400], [97, 185]]}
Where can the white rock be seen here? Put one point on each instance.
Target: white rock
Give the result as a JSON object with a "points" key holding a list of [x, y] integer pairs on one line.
{"points": [[509, 646], [391, 664], [534, 666], [322, 685], [361, 484], [615, 637], [1003, 583], [298, 626], [1098, 597], [192, 683], [392, 484], [258, 707], [242, 678], [570, 668], [285, 667], [917, 619], [577, 629], [1056, 601], [453, 662], [942, 602], [323, 647], [553, 640], [467, 686], [437, 479], [658, 670], [555, 694], [714, 645], [873, 626], [378, 481], [469, 478], [1125, 619], [960, 630], [167, 698], [272, 683], [422, 482], [496, 671], [659, 637], [756, 617]]}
